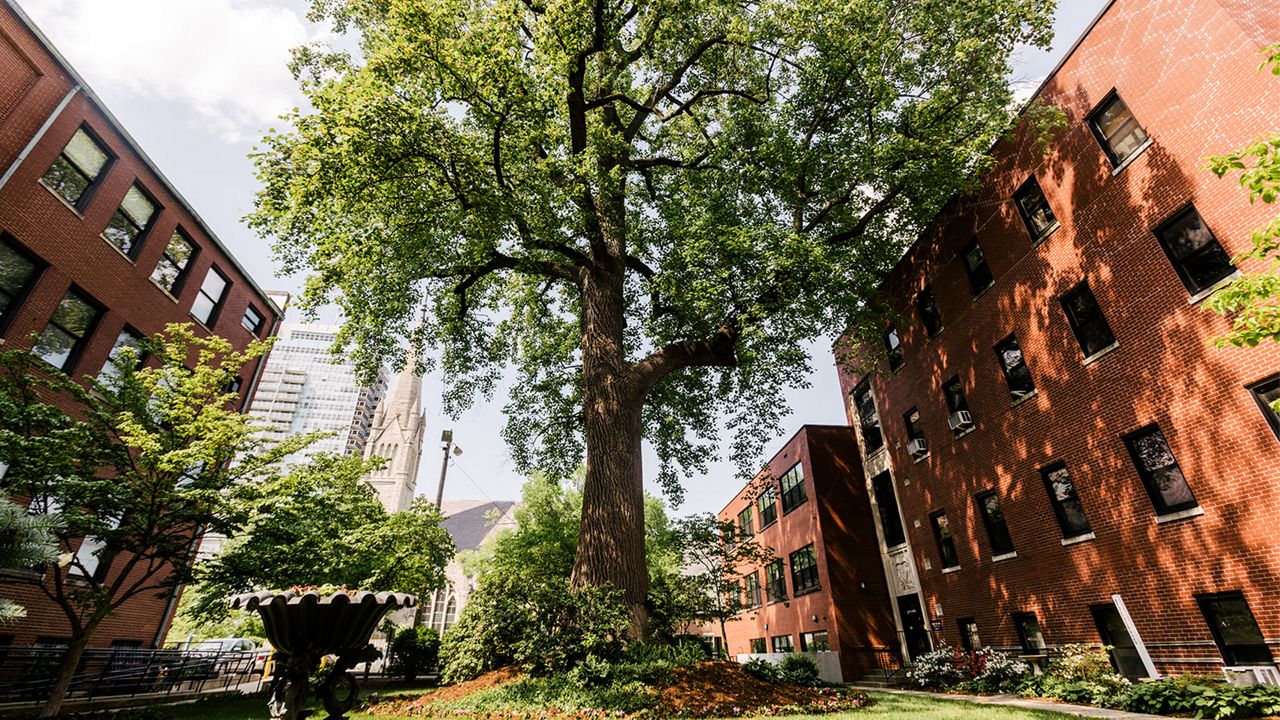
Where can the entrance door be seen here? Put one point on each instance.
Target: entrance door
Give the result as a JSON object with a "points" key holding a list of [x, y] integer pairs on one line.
{"points": [[1124, 653], [914, 630]]}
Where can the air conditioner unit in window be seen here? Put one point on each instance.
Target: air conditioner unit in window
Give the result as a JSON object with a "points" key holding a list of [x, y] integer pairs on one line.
{"points": [[1252, 675], [918, 447], [960, 420]]}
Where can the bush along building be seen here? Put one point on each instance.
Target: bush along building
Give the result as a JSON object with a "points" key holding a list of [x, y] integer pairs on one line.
{"points": [[1055, 451], [97, 249], [824, 592]]}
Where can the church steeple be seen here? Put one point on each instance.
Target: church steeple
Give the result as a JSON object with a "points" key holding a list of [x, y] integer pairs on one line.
{"points": [[397, 433]]}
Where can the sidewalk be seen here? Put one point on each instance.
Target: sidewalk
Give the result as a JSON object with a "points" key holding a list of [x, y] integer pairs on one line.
{"points": [[1025, 703]]}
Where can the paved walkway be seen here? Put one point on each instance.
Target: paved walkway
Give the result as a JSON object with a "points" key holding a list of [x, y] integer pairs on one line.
{"points": [[1026, 703]]}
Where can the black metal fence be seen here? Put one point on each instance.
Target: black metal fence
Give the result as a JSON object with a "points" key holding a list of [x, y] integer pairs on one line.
{"points": [[27, 673]]}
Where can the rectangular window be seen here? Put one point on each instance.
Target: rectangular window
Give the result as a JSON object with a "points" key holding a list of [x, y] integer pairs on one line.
{"points": [[1117, 131], [88, 558], [1065, 501], [753, 590], [252, 320], [1029, 635], [775, 581], [993, 519], [887, 508], [946, 542], [969, 639], [893, 348], [18, 273], [1035, 210], [77, 168], [1014, 365], [793, 489], [128, 338], [928, 311], [68, 330], [758, 646], [959, 418], [782, 644], [1234, 628], [130, 220], [911, 419], [975, 267], [1264, 393], [864, 404], [767, 504], [1087, 322], [815, 641], [1193, 249], [746, 523], [210, 297], [1159, 470], [172, 268], [804, 570]]}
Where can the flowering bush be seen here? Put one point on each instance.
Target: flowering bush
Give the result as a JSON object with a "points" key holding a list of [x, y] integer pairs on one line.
{"points": [[986, 670], [1080, 674]]}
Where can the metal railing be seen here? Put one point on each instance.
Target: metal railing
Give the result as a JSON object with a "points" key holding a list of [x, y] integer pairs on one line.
{"points": [[27, 674], [881, 663]]}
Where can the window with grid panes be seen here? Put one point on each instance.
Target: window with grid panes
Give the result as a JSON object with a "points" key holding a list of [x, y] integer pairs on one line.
{"points": [[1117, 131], [129, 221], [793, 488], [1017, 376], [775, 581], [68, 330], [1195, 252], [767, 504], [804, 570], [77, 168], [1034, 210], [994, 521]]}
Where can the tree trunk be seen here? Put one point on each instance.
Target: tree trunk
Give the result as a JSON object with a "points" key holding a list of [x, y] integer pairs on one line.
{"points": [[70, 661]]}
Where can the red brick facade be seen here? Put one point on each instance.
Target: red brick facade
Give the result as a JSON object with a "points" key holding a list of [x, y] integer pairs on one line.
{"points": [[1187, 70], [38, 87], [849, 601]]}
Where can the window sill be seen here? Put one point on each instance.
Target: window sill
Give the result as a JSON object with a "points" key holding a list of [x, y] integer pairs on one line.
{"points": [[1194, 299], [767, 526], [1180, 515], [919, 458], [1078, 539], [966, 431], [1006, 556], [1091, 359], [113, 246], [1132, 156], [949, 570], [797, 506], [806, 591], [166, 292], [63, 200], [1042, 237], [1018, 401]]}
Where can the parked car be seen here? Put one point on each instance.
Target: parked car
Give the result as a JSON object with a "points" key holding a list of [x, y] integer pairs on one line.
{"points": [[264, 660], [225, 655]]}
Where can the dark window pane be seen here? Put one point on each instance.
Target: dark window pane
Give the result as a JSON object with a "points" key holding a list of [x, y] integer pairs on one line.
{"points": [[782, 644], [1029, 635], [928, 311], [893, 348], [1065, 502], [746, 523], [1196, 254], [1117, 130], [816, 641], [55, 346], [887, 507], [1234, 629], [16, 274], [76, 168], [1086, 320], [1016, 373], [969, 639], [912, 420], [1034, 209], [993, 519], [868, 418], [63, 178], [1159, 470], [767, 504], [252, 320], [758, 646], [975, 266], [1265, 393], [775, 581], [793, 488], [946, 543], [66, 331], [804, 570]]}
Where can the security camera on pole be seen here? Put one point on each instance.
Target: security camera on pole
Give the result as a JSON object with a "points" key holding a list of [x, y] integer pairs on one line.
{"points": [[446, 443]]}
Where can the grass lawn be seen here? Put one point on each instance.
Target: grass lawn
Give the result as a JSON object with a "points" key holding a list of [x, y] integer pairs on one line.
{"points": [[887, 707]]}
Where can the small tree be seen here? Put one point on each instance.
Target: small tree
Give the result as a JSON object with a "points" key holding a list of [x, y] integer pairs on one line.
{"points": [[716, 556], [25, 541], [136, 466]]}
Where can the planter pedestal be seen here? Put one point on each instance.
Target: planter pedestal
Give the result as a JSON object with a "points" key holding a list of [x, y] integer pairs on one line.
{"points": [[304, 627]]}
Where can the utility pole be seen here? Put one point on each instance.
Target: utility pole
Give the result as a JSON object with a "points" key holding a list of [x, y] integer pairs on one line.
{"points": [[446, 444]]}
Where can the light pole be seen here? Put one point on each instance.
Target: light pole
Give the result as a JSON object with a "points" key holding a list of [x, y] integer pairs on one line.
{"points": [[446, 444]]}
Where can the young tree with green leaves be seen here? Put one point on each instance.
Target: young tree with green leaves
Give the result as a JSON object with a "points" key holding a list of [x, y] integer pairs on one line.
{"points": [[646, 206], [135, 466], [25, 541], [716, 558]]}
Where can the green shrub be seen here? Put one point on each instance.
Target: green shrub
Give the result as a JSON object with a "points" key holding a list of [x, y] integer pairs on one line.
{"points": [[1080, 674], [413, 651], [800, 670], [763, 669], [1214, 699], [983, 671]]}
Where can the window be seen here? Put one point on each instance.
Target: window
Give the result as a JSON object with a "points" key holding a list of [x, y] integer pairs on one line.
{"points": [[1264, 393], [775, 582], [804, 570], [928, 311], [172, 268], [1035, 210], [782, 644], [753, 589], [793, 489], [893, 348], [993, 519], [1016, 373], [77, 168], [210, 297], [1029, 635], [18, 273], [130, 220], [1086, 319], [868, 419], [1159, 471], [88, 558], [1117, 131], [1065, 502], [64, 337], [746, 523], [1234, 629], [946, 543], [969, 639], [815, 641], [758, 646], [252, 320], [768, 506], [1196, 254], [975, 266], [887, 507], [953, 390], [915, 431], [128, 338]]}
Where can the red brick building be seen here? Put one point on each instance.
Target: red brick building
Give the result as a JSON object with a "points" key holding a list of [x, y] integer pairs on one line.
{"points": [[825, 591], [97, 248], [1056, 451]]}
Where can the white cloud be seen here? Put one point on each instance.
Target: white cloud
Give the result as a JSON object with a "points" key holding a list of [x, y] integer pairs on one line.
{"points": [[225, 60]]}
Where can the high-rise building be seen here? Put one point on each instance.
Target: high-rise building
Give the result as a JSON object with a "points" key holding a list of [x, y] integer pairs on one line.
{"points": [[396, 434], [304, 389]]}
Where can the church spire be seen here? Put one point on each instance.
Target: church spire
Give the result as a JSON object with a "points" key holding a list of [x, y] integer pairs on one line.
{"points": [[397, 435]]}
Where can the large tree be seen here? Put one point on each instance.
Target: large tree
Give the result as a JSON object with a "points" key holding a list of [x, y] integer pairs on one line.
{"points": [[645, 206]]}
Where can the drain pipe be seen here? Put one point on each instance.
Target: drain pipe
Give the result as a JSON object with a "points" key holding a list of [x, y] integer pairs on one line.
{"points": [[35, 139]]}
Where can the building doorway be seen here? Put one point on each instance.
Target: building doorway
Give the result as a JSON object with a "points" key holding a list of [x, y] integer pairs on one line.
{"points": [[1124, 652], [914, 630]]}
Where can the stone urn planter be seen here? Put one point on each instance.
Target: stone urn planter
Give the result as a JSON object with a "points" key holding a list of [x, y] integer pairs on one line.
{"points": [[304, 625]]}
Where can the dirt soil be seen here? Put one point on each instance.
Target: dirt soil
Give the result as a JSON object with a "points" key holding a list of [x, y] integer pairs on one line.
{"points": [[494, 678], [722, 684]]}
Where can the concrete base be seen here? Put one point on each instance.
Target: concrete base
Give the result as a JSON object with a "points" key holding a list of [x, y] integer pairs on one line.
{"points": [[828, 663]]}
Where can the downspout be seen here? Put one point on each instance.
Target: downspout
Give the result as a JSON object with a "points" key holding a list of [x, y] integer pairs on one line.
{"points": [[35, 139]]}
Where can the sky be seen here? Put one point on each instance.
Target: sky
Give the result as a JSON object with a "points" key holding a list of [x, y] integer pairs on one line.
{"points": [[197, 82]]}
